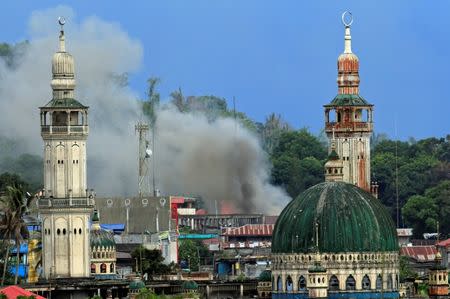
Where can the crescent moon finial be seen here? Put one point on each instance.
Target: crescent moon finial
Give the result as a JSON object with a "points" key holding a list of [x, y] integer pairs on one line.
{"points": [[347, 21], [61, 21]]}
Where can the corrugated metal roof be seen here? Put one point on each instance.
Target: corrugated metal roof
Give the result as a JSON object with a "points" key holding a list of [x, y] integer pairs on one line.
{"points": [[419, 253], [250, 230]]}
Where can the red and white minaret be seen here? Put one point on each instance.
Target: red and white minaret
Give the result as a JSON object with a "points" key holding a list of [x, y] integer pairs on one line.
{"points": [[348, 118]]}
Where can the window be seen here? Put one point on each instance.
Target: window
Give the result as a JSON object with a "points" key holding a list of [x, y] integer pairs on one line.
{"points": [[64, 231], [79, 231], [111, 268], [334, 283], [92, 268], [366, 282], [103, 268], [279, 284], [289, 284], [58, 231], [302, 283], [350, 283], [379, 283], [390, 283], [74, 231]]}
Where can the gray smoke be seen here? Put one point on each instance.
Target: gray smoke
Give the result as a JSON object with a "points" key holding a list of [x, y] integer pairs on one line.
{"points": [[217, 160], [100, 49]]}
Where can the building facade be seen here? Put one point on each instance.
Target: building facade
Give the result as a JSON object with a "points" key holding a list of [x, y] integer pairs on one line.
{"points": [[66, 204]]}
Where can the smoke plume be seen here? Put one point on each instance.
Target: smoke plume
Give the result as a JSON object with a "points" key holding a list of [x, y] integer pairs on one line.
{"points": [[217, 160]]}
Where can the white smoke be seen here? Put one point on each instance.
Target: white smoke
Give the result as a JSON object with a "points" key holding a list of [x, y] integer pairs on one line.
{"points": [[217, 160]]}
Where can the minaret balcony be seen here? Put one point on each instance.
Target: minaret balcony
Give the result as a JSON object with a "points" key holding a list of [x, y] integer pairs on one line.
{"points": [[49, 203], [64, 130], [348, 127]]}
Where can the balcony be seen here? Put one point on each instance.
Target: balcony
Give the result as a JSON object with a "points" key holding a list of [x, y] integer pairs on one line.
{"points": [[44, 203], [349, 127], [64, 130]]}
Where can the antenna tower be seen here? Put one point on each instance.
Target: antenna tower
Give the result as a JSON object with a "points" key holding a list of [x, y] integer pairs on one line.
{"points": [[144, 155]]}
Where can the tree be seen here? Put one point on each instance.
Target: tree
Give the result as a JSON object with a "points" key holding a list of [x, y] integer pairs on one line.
{"points": [[178, 100], [15, 206], [189, 252], [298, 161], [421, 212], [151, 261], [153, 99], [406, 272], [272, 130]]}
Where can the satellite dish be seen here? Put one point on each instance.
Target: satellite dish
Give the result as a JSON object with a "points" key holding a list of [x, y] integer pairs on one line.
{"points": [[148, 153]]}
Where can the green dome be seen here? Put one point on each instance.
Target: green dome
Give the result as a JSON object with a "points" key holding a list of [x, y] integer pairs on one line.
{"points": [[349, 220], [265, 275], [136, 284], [100, 237], [189, 285]]}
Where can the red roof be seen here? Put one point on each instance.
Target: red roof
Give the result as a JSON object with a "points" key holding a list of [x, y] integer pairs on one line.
{"points": [[250, 230], [13, 291], [419, 253], [445, 243]]}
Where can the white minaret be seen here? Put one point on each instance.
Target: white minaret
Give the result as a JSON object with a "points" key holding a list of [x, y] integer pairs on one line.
{"points": [[348, 119], [66, 204]]}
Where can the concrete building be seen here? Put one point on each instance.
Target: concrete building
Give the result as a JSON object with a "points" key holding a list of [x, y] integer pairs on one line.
{"points": [[66, 204], [336, 240]]}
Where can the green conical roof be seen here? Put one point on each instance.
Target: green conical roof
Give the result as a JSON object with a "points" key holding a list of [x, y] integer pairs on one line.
{"points": [[349, 218], [348, 100]]}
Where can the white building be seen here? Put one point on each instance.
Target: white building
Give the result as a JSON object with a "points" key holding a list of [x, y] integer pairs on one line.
{"points": [[67, 204]]}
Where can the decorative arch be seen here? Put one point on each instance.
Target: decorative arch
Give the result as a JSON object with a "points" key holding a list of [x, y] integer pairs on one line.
{"points": [[379, 282], [302, 283], [289, 284], [366, 282], [350, 283], [334, 283]]}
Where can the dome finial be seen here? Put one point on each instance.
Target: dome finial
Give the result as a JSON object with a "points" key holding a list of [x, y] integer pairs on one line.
{"points": [[347, 20], [62, 43]]}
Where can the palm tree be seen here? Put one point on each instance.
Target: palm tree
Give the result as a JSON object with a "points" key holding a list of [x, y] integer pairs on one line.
{"points": [[15, 206]]}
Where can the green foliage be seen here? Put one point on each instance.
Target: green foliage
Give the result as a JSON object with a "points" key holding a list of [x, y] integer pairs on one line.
{"points": [[298, 161], [423, 212], [28, 167], [421, 165], [194, 252], [406, 272], [150, 106], [151, 261]]}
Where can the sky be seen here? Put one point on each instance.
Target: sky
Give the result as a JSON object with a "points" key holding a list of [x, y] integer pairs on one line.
{"points": [[280, 56]]}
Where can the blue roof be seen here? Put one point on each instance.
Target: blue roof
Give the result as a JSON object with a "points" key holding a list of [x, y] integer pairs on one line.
{"points": [[23, 248], [115, 227], [197, 236]]}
